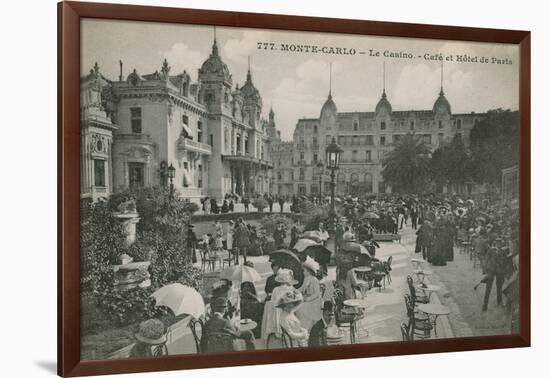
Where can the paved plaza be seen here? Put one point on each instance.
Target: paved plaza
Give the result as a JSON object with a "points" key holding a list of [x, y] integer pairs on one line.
{"points": [[385, 309]]}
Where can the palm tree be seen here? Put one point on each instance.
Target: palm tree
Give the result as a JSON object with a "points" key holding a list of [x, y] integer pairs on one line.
{"points": [[407, 166]]}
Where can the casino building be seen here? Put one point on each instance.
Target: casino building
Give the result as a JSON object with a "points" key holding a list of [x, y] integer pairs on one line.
{"points": [[365, 136], [211, 131]]}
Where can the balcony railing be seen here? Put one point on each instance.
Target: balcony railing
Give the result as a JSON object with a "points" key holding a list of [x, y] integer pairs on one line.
{"points": [[191, 145]]}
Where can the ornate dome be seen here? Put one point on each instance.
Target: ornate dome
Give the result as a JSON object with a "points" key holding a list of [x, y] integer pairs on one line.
{"points": [[215, 66], [442, 104], [329, 106], [249, 91], [383, 104]]}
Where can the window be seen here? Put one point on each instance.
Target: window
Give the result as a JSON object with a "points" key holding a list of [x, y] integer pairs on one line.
{"points": [[246, 145], [440, 137], [302, 156], [370, 140], [136, 175], [279, 176], [315, 129], [211, 140], [382, 140], [412, 125], [99, 172], [302, 174], [381, 187], [427, 138], [342, 140], [440, 123], [382, 125], [301, 189], [355, 140], [200, 176], [458, 124], [355, 125], [328, 139], [315, 158], [368, 182], [369, 156], [185, 120], [314, 143], [459, 135], [396, 138], [199, 131], [354, 155], [238, 144], [135, 120]]}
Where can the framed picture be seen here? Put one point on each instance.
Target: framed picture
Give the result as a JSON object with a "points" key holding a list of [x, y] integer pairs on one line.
{"points": [[239, 188]]}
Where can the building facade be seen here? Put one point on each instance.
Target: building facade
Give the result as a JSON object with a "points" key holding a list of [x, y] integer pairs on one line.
{"points": [[210, 131], [365, 137]]}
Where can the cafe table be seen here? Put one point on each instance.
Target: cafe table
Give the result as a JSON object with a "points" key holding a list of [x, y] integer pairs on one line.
{"points": [[247, 325], [428, 289], [434, 311], [417, 263]]}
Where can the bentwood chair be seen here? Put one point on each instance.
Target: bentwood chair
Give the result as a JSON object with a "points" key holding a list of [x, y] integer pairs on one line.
{"points": [[387, 268], [405, 332], [197, 329], [219, 342], [419, 327], [287, 340], [415, 299]]}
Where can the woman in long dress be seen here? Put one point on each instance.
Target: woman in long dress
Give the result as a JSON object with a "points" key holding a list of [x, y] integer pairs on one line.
{"points": [[288, 303], [310, 310], [271, 316]]}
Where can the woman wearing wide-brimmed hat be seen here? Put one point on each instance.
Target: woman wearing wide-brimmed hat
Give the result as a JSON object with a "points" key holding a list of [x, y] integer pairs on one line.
{"points": [[270, 320], [151, 339], [289, 302], [310, 310]]}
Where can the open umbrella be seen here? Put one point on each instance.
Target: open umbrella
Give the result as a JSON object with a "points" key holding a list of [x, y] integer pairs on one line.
{"points": [[355, 248], [302, 244], [241, 273], [180, 299], [319, 253], [313, 235], [289, 260], [371, 215]]}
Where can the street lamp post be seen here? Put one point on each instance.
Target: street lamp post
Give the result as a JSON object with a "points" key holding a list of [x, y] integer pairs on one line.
{"points": [[333, 153], [171, 175], [320, 166]]}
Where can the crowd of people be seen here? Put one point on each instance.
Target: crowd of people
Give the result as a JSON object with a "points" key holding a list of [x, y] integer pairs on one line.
{"points": [[306, 311]]}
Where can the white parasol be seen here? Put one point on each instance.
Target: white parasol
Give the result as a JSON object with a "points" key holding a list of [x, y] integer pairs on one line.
{"points": [[180, 299], [241, 273], [302, 244]]}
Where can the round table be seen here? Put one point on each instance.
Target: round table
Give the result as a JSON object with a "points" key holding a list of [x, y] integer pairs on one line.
{"points": [[417, 263], [355, 303], [428, 289], [433, 311], [248, 326]]}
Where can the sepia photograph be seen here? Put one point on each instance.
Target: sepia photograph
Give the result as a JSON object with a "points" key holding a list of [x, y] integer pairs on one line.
{"points": [[253, 189]]}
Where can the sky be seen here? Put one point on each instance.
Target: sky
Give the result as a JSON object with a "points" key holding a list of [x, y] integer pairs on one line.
{"points": [[296, 84]]}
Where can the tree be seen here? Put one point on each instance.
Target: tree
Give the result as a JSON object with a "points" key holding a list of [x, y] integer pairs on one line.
{"points": [[450, 164], [406, 168], [494, 145]]}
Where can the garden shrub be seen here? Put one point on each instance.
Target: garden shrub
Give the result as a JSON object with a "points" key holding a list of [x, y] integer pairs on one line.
{"points": [[260, 204]]}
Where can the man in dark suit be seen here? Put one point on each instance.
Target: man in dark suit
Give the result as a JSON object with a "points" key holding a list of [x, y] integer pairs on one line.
{"points": [[318, 333], [219, 325]]}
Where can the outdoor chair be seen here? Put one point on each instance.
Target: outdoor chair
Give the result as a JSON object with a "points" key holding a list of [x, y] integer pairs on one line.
{"points": [[219, 342], [405, 332], [229, 259], [420, 327], [212, 258], [202, 253], [287, 340], [197, 329], [415, 299]]}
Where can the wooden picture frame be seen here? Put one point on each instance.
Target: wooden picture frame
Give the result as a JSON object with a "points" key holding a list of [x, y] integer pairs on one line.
{"points": [[69, 16]]}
